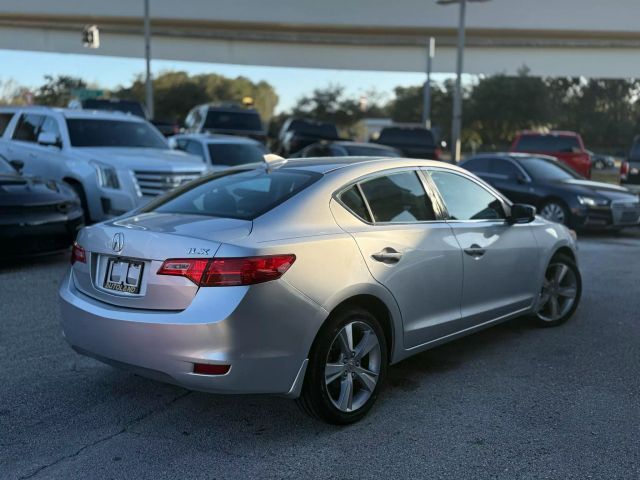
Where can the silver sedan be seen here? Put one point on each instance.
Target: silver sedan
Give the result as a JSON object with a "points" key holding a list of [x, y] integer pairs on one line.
{"points": [[307, 279]]}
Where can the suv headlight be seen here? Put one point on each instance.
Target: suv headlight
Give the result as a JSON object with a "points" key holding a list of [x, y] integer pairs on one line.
{"points": [[593, 202], [107, 175]]}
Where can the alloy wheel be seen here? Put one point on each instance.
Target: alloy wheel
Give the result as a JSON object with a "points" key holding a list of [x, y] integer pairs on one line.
{"points": [[353, 366], [553, 212], [559, 292]]}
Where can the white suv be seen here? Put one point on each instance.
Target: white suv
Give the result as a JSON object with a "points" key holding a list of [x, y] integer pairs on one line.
{"points": [[114, 161]]}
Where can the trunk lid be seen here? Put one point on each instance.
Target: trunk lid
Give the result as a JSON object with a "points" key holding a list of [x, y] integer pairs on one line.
{"points": [[134, 248]]}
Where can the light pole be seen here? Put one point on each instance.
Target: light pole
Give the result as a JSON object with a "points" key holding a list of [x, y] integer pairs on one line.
{"points": [[426, 108], [147, 56], [456, 122]]}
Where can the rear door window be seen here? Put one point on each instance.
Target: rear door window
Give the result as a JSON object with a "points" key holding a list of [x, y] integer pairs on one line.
{"points": [[504, 169], [398, 198]]}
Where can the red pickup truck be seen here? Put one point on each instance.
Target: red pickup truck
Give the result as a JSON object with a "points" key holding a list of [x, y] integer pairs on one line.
{"points": [[567, 147]]}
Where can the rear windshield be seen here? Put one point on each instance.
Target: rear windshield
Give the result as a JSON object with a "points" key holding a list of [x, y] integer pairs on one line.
{"points": [[366, 151], [243, 195], [134, 108], [222, 120], [234, 154], [547, 143], [5, 118], [114, 133], [314, 129], [413, 136]]}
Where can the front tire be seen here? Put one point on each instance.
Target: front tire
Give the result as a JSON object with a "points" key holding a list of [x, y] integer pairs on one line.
{"points": [[555, 211], [347, 367], [561, 292]]}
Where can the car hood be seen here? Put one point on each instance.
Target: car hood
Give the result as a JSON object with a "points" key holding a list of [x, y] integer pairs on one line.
{"points": [[24, 191], [144, 158], [607, 190]]}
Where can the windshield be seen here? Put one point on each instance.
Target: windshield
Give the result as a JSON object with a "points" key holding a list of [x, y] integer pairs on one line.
{"points": [[236, 154], [233, 121], [545, 169], [85, 132], [243, 195], [547, 143], [134, 108], [366, 151]]}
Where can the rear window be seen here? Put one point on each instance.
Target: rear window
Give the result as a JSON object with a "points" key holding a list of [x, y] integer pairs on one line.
{"points": [[413, 136], [314, 129], [233, 121], [243, 195], [5, 118], [234, 154], [547, 143], [134, 108]]}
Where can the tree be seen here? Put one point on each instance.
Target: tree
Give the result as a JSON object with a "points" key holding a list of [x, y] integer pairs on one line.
{"points": [[56, 92]]}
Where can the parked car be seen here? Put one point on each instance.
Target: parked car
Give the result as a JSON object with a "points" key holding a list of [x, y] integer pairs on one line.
{"points": [[167, 128], [567, 147], [220, 151], [227, 119], [557, 191], [113, 161], [630, 168], [297, 133], [36, 216], [347, 149], [309, 278], [600, 161], [414, 142]]}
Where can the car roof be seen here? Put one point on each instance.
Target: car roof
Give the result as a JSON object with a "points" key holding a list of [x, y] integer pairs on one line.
{"points": [[75, 112], [328, 164], [218, 138]]}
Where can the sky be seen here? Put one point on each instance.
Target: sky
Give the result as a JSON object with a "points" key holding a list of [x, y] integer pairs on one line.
{"points": [[29, 69]]}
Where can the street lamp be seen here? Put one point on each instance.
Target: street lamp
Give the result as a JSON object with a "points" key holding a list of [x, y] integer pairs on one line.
{"points": [[456, 123]]}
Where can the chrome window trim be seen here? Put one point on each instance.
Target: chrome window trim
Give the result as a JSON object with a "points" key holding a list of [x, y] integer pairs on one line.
{"points": [[380, 173]]}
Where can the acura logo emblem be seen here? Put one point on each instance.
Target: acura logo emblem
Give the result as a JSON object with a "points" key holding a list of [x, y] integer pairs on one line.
{"points": [[117, 244]]}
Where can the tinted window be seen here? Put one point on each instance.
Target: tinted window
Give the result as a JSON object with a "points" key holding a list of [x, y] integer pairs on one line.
{"points": [[314, 129], [354, 202], [113, 133], [504, 168], [370, 151], [414, 136], [398, 197], [5, 118], [27, 129], [233, 120], [236, 154], [477, 165], [543, 169], [194, 148], [547, 143], [465, 199], [134, 108], [244, 195]]}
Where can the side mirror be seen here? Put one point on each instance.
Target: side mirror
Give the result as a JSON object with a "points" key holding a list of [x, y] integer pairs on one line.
{"points": [[18, 165], [49, 139], [522, 213]]}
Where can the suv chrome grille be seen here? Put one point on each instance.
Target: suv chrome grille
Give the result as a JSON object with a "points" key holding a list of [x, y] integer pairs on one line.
{"points": [[157, 183]]}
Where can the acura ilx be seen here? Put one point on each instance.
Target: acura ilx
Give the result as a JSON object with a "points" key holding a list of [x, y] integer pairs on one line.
{"points": [[307, 278]]}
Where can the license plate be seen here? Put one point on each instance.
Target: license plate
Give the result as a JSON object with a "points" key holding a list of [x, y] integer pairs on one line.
{"points": [[123, 275]]}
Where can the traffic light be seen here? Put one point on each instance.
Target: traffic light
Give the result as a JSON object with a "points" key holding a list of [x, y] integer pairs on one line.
{"points": [[91, 36]]}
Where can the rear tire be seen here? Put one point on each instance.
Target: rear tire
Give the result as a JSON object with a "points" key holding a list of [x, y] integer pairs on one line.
{"points": [[344, 376], [560, 293]]}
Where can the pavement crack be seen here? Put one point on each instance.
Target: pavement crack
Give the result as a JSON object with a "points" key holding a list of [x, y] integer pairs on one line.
{"points": [[124, 429]]}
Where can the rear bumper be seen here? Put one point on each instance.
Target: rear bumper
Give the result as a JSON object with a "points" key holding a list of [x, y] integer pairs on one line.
{"points": [[266, 338]]}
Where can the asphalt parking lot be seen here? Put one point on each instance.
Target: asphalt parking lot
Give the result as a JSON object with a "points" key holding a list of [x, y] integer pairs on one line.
{"points": [[511, 402]]}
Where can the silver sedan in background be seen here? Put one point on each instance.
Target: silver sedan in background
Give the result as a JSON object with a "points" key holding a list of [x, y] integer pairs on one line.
{"points": [[308, 278]]}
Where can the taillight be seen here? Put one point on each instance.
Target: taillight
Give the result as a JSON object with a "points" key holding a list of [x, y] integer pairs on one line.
{"points": [[624, 170], [78, 254], [229, 272]]}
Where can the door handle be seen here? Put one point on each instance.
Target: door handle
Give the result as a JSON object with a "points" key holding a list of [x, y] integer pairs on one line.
{"points": [[387, 255], [475, 251]]}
